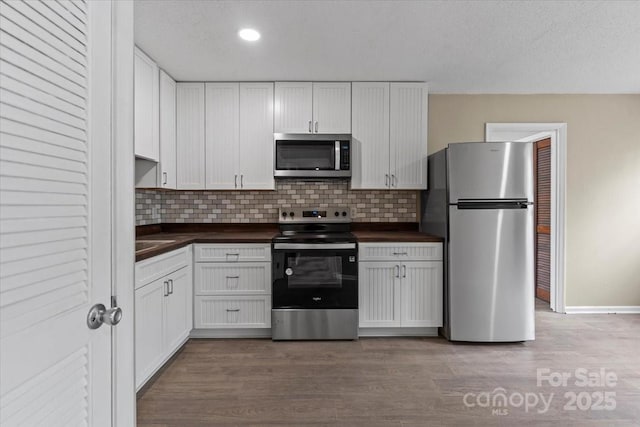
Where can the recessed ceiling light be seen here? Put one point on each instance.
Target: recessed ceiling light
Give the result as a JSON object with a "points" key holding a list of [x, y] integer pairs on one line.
{"points": [[249, 34]]}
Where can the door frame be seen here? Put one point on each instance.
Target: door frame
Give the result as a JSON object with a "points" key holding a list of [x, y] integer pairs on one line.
{"points": [[122, 213], [529, 132]]}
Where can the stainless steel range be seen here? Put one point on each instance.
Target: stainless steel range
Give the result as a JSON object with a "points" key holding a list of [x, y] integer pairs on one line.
{"points": [[315, 276]]}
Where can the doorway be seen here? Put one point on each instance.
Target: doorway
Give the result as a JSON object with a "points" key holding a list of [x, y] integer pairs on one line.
{"points": [[542, 174], [532, 132]]}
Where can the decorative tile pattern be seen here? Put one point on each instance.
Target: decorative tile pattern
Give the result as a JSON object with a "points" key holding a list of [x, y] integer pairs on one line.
{"points": [[262, 206], [148, 206]]}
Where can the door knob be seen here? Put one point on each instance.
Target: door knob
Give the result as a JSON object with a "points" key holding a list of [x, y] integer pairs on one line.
{"points": [[99, 314]]}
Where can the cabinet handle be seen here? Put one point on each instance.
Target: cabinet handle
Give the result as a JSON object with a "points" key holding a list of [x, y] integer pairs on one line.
{"points": [[233, 255], [171, 286], [310, 130], [232, 310], [242, 181], [164, 178], [400, 253], [235, 181], [394, 181], [316, 126], [233, 277], [404, 271], [386, 179], [396, 268], [165, 288]]}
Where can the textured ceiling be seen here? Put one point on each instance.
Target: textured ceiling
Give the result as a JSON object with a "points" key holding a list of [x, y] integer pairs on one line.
{"points": [[457, 46]]}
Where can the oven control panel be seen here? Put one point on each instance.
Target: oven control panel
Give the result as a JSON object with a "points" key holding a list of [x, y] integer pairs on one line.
{"points": [[314, 215]]}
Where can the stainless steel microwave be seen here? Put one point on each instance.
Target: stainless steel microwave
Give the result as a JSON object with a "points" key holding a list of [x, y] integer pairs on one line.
{"points": [[312, 155]]}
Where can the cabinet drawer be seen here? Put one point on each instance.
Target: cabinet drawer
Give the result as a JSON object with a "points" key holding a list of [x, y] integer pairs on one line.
{"points": [[232, 312], [233, 252], [153, 268], [232, 278], [400, 251]]}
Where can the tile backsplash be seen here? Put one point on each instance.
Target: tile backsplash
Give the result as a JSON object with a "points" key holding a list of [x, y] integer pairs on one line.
{"points": [[156, 206]]}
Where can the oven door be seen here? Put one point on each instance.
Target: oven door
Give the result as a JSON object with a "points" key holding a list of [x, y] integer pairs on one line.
{"points": [[322, 275]]}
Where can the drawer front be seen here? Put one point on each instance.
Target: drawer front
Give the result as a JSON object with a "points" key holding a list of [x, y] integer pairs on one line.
{"points": [[232, 312], [400, 251], [233, 252], [232, 278], [154, 268]]}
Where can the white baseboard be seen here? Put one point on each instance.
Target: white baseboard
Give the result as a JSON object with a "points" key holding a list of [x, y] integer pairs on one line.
{"points": [[602, 309], [231, 333], [398, 332]]}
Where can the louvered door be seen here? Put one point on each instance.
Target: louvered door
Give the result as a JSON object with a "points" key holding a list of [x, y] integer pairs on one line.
{"points": [[542, 159], [55, 244]]}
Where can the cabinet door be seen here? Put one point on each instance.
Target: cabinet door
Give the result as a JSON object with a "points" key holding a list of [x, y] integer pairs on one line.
{"points": [[421, 292], [218, 278], [370, 135], [293, 107], [408, 135], [222, 127], [379, 294], [190, 165], [251, 311], [332, 107], [149, 341], [256, 136], [178, 309], [167, 131], [146, 106]]}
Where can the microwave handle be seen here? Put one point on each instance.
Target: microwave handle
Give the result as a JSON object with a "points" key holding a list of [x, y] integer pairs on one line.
{"points": [[337, 164]]}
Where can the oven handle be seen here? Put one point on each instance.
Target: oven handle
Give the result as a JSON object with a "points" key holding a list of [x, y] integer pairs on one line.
{"points": [[294, 246]]}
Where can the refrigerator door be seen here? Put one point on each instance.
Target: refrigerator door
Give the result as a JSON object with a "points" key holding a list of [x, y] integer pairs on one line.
{"points": [[490, 170], [491, 274]]}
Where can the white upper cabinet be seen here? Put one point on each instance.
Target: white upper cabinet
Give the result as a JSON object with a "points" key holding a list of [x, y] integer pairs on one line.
{"points": [[370, 135], [389, 135], [146, 106], [239, 136], [408, 135], [167, 131], [190, 141], [256, 136], [332, 107], [222, 139], [305, 107], [294, 107]]}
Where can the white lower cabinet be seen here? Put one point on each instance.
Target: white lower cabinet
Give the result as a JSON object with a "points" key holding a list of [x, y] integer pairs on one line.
{"points": [[246, 311], [149, 329], [163, 312], [397, 293], [232, 288]]}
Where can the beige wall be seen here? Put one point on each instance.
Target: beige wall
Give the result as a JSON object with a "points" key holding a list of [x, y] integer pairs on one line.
{"points": [[603, 179]]}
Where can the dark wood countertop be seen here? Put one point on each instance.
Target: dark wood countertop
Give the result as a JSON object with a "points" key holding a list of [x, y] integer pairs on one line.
{"points": [[180, 235]]}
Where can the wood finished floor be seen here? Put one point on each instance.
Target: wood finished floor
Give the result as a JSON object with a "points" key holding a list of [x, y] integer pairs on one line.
{"points": [[394, 381]]}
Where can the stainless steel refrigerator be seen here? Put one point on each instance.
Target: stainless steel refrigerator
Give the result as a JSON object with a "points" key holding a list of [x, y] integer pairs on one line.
{"points": [[480, 200]]}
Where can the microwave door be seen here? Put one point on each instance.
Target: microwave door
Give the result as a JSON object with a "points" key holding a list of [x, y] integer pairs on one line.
{"points": [[293, 155]]}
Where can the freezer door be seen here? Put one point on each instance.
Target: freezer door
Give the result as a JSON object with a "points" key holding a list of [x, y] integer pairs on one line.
{"points": [[490, 170], [491, 274]]}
